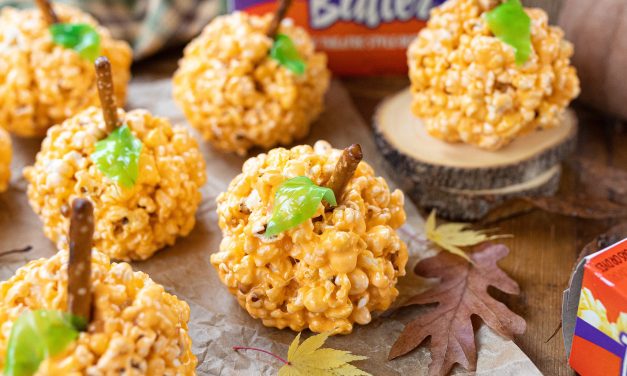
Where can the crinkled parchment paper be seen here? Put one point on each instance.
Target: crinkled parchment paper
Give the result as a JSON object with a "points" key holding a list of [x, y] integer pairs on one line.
{"points": [[217, 322]]}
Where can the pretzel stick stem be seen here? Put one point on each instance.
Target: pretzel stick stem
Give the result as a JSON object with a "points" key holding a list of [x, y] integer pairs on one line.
{"points": [[284, 6], [344, 170], [79, 268], [46, 10], [104, 82]]}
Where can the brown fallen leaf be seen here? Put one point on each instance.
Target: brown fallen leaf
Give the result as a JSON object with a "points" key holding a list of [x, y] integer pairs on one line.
{"points": [[461, 293], [611, 182], [601, 194], [508, 210], [579, 207]]}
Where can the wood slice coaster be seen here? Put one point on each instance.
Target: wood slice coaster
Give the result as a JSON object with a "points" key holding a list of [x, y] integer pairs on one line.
{"points": [[471, 205], [462, 181], [405, 143]]}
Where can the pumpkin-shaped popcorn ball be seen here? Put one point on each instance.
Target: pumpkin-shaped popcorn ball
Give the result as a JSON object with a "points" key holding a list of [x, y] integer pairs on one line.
{"points": [[484, 72], [298, 254], [144, 179], [5, 159], [46, 66], [243, 88], [78, 314]]}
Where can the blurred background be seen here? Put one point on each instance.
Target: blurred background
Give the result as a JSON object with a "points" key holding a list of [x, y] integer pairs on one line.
{"points": [[597, 28], [153, 25]]}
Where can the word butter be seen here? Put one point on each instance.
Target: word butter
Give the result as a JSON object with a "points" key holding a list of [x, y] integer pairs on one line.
{"points": [[360, 37]]}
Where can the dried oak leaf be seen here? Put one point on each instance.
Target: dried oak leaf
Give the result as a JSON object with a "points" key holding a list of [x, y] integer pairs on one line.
{"points": [[461, 293], [579, 207], [607, 180], [601, 193]]}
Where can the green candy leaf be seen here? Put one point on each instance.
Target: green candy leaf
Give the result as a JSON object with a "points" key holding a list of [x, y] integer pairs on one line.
{"points": [[82, 38], [296, 201], [37, 335], [284, 51], [117, 156], [510, 23]]}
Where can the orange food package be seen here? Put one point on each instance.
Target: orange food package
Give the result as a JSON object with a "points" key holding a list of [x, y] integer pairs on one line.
{"points": [[596, 321], [360, 37]]}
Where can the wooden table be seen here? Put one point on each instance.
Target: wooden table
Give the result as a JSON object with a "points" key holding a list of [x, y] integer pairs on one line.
{"points": [[544, 247]]}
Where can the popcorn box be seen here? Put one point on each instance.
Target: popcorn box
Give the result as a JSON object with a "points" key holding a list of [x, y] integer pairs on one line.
{"points": [[361, 37], [594, 313]]}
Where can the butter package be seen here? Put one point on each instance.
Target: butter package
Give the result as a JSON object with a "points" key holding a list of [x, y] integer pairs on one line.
{"points": [[595, 314], [360, 37]]}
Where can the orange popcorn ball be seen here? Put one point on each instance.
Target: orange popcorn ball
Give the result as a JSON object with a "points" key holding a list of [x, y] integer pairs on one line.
{"points": [[325, 274], [132, 223], [467, 86], [237, 96], [42, 83], [137, 328], [5, 159]]}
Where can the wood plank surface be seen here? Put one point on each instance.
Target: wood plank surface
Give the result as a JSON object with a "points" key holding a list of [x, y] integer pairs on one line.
{"points": [[545, 246]]}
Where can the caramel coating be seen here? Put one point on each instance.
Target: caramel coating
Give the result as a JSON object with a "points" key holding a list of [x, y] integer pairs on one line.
{"points": [[41, 83], [137, 327], [6, 152], [467, 87], [131, 223], [237, 96], [327, 273]]}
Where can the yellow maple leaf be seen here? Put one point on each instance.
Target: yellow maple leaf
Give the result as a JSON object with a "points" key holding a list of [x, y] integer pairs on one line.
{"points": [[308, 359], [452, 236]]}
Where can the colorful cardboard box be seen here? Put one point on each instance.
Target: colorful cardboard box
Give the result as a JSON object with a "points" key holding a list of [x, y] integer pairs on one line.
{"points": [[360, 37], [595, 314]]}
